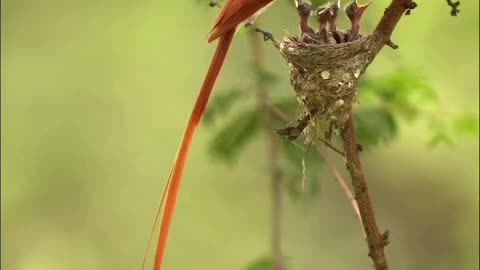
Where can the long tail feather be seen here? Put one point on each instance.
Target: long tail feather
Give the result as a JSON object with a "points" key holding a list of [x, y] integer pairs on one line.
{"points": [[174, 180], [159, 211]]}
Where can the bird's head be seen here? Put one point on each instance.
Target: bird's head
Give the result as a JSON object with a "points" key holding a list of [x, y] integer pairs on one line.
{"points": [[304, 8], [355, 11], [335, 6], [324, 14]]}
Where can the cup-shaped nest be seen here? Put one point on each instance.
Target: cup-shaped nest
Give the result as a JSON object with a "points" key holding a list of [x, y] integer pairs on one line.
{"points": [[325, 78]]}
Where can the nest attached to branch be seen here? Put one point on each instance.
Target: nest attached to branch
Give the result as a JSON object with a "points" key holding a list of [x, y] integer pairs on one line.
{"points": [[325, 78]]}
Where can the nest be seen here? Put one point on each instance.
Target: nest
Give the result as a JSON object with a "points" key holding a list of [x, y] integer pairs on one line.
{"points": [[325, 78]]}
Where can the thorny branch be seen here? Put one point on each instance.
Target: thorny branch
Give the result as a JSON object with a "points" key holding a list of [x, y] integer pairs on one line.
{"points": [[376, 241]]}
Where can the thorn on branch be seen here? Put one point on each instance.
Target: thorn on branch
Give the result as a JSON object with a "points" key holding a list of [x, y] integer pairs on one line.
{"points": [[385, 237], [391, 45], [411, 5], [266, 35], [214, 3], [454, 6], [360, 147]]}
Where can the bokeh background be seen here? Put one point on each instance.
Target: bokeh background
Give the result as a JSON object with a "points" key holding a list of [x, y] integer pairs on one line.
{"points": [[95, 96]]}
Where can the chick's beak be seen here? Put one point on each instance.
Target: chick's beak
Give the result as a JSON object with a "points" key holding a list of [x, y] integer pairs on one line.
{"points": [[362, 8]]}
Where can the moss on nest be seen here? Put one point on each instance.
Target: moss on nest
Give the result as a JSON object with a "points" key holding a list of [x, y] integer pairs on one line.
{"points": [[325, 78]]}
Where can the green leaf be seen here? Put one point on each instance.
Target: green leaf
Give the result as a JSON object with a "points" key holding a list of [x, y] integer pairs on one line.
{"points": [[288, 105], [375, 126], [450, 131], [403, 92], [466, 124], [221, 103], [262, 263], [262, 76], [232, 138], [439, 138]]}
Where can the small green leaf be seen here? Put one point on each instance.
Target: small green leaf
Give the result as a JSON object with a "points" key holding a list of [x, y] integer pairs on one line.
{"points": [[288, 105], [262, 76], [439, 138], [232, 138], [221, 103], [262, 263], [375, 126], [466, 124], [403, 92]]}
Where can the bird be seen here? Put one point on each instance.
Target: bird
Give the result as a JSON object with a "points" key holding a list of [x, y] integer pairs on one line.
{"points": [[325, 15], [233, 15], [335, 7], [304, 10], [354, 13], [332, 24]]}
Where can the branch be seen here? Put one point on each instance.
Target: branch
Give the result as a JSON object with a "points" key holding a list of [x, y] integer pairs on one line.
{"points": [[387, 24], [273, 155], [454, 6], [376, 241]]}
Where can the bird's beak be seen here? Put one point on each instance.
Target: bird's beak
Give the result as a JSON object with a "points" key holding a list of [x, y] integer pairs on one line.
{"points": [[362, 8], [296, 3]]}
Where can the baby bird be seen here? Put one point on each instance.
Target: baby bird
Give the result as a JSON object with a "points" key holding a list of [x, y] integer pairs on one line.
{"points": [[304, 10], [354, 13], [325, 15]]}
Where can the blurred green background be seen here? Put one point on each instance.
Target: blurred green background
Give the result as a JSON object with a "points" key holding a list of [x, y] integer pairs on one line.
{"points": [[95, 96]]}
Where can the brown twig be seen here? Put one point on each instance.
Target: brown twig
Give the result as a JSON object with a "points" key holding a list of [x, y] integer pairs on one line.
{"points": [[273, 155], [376, 241], [454, 6], [285, 117], [388, 22], [331, 146]]}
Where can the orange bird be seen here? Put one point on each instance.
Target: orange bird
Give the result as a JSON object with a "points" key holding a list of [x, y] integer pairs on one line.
{"points": [[233, 15]]}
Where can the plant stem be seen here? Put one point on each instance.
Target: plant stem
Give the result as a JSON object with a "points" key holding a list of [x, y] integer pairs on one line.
{"points": [[376, 240], [272, 143]]}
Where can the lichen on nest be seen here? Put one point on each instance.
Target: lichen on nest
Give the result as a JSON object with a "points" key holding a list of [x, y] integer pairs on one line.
{"points": [[325, 78]]}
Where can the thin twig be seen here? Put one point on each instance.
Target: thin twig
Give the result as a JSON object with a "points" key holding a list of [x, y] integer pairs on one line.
{"points": [[273, 155], [331, 146], [285, 117], [343, 185]]}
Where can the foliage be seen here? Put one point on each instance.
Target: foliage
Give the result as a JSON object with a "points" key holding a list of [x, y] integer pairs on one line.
{"points": [[262, 263], [222, 104], [400, 95], [460, 126], [233, 137], [375, 125], [402, 92]]}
